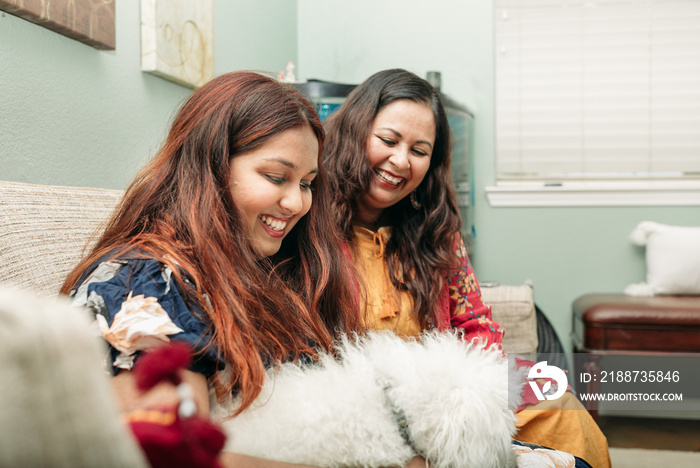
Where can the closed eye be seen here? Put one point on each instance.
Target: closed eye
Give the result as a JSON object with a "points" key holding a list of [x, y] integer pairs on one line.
{"points": [[419, 152], [387, 141], [275, 180], [309, 184]]}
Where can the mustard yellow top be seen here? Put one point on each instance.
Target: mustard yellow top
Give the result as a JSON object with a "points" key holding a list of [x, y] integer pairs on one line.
{"points": [[386, 307]]}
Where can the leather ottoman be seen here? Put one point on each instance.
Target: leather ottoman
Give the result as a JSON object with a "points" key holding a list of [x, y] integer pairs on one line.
{"points": [[617, 324]]}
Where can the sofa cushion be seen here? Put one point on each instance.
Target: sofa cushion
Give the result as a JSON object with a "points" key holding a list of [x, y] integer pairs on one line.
{"points": [[513, 308], [672, 257], [44, 230]]}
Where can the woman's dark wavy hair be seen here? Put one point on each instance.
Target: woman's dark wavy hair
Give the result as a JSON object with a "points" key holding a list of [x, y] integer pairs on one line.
{"points": [[180, 210], [422, 241]]}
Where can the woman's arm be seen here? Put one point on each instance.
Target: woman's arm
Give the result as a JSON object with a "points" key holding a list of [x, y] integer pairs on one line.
{"points": [[236, 460], [467, 309], [165, 394], [417, 462]]}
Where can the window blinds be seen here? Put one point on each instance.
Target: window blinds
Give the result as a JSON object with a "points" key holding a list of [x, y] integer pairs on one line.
{"points": [[603, 90]]}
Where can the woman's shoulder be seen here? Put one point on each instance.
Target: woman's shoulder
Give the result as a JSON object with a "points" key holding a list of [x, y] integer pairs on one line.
{"points": [[136, 294], [117, 263], [121, 275]]}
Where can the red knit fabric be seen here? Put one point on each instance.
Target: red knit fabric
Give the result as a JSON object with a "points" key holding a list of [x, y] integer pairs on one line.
{"points": [[183, 443], [167, 439], [162, 364]]}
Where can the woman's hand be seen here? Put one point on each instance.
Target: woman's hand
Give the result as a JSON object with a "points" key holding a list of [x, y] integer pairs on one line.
{"points": [[235, 460], [165, 393], [417, 462]]}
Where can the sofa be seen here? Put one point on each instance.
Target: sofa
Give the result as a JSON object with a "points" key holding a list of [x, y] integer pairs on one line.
{"points": [[44, 230]]}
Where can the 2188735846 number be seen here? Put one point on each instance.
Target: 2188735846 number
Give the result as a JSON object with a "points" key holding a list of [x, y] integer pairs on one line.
{"points": [[640, 376]]}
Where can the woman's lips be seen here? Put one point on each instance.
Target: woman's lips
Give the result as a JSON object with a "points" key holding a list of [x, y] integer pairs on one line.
{"points": [[275, 227], [388, 178]]}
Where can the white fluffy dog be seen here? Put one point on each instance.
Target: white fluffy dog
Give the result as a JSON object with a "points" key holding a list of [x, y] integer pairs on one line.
{"points": [[381, 402]]}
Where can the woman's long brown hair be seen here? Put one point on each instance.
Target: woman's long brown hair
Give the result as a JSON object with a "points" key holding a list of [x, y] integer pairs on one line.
{"points": [[422, 241], [180, 210]]}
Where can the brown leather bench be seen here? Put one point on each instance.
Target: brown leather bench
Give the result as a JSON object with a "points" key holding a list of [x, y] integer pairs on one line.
{"points": [[617, 322], [613, 323]]}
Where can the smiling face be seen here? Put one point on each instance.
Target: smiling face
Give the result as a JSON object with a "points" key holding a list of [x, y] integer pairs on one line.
{"points": [[399, 146], [271, 185]]}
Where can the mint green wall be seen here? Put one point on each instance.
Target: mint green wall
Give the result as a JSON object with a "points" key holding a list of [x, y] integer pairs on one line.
{"points": [[256, 35], [73, 115], [566, 252]]}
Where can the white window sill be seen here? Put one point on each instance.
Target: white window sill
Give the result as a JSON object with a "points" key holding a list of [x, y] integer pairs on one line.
{"points": [[649, 193]]}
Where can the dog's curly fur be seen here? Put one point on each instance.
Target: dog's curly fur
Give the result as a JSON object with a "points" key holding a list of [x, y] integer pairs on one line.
{"points": [[342, 412]]}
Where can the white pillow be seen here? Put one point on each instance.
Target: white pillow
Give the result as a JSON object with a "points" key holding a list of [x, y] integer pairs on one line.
{"points": [[673, 259]]}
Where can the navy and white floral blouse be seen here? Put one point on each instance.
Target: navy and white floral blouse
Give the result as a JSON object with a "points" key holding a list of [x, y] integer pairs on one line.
{"points": [[138, 305]]}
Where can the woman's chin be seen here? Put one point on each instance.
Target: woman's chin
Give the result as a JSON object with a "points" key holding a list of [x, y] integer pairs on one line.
{"points": [[266, 249]]}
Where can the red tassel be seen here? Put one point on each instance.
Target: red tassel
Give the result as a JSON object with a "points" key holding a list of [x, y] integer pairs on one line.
{"points": [[168, 439], [162, 364], [184, 443]]}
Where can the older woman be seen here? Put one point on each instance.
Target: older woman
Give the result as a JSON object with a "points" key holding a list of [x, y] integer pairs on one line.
{"points": [[388, 156]]}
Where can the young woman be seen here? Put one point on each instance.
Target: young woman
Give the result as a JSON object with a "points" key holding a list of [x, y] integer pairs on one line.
{"points": [[388, 157], [223, 241]]}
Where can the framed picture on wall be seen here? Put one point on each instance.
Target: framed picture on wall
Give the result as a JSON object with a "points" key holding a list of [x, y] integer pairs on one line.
{"points": [[177, 40], [88, 21]]}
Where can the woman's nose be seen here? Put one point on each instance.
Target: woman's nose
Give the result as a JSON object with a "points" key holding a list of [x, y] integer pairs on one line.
{"points": [[292, 201], [399, 158]]}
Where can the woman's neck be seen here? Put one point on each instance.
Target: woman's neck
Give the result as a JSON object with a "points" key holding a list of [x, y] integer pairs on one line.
{"points": [[369, 220]]}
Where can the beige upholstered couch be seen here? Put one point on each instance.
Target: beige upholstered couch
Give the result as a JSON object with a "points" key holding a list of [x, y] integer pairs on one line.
{"points": [[44, 230]]}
